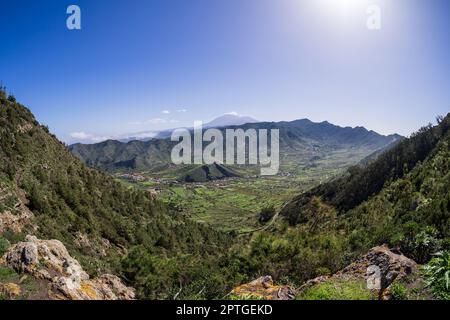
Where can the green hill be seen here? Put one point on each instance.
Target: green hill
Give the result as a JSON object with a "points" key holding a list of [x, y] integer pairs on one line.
{"points": [[210, 172]]}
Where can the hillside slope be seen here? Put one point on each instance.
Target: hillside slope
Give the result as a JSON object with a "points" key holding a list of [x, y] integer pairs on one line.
{"points": [[402, 195], [363, 181], [47, 192]]}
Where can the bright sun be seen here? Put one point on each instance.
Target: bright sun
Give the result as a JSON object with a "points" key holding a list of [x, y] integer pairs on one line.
{"points": [[344, 5], [342, 9]]}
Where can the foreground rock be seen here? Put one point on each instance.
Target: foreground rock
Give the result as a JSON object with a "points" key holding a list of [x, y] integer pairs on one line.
{"points": [[380, 268], [10, 290], [49, 260], [264, 289]]}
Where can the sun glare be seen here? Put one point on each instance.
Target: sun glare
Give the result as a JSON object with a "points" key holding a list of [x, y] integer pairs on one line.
{"points": [[341, 7]]}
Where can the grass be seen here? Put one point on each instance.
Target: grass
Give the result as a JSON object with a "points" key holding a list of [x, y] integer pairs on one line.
{"points": [[27, 284], [4, 245], [7, 275], [338, 290]]}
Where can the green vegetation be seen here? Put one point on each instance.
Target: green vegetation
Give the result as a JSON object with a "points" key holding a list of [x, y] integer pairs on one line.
{"points": [[267, 214], [437, 275], [209, 172], [399, 291], [4, 245], [161, 248], [410, 211], [338, 290], [6, 274], [28, 285], [68, 199], [230, 204]]}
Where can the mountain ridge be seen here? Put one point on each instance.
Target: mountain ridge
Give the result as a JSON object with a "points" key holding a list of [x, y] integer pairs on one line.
{"points": [[298, 139]]}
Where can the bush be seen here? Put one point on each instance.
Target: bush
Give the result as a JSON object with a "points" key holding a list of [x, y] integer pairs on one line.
{"points": [[423, 245], [267, 214], [4, 245], [437, 275], [399, 292]]}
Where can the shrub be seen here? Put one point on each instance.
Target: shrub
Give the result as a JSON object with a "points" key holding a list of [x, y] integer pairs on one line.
{"points": [[437, 275], [4, 245], [267, 214], [423, 245], [399, 292]]}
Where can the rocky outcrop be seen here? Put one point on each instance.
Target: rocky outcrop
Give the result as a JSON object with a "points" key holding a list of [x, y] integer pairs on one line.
{"points": [[49, 260], [380, 268], [263, 288]]}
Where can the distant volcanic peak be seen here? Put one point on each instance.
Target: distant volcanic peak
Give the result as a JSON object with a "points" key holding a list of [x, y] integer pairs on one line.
{"points": [[230, 119]]}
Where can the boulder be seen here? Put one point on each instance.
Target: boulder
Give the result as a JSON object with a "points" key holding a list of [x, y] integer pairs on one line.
{"points": [[49, 260]]}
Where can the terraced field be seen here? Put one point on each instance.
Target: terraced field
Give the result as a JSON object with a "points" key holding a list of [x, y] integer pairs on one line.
{"points": [[232, 204]]}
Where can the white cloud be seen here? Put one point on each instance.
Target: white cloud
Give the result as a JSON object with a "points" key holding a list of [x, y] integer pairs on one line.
{"points": [[166, 112], [153, 121], [80, 135], [182, 110], [87, 137], [84, 137], [157, 121]]}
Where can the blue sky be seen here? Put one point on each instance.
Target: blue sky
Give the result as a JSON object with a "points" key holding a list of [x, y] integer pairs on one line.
{"points": [[146, 65]]}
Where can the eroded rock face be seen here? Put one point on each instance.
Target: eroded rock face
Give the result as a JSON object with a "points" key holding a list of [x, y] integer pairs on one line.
{"points": [[49, 260], [264, 288]]}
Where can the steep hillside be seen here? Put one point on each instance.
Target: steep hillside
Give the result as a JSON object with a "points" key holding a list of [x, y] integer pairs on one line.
{"points": [[47, 192], [300, 141], [402, 198], [361, 182]]}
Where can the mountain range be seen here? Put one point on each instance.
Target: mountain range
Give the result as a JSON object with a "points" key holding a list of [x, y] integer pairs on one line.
{"points": [[300, 141]]}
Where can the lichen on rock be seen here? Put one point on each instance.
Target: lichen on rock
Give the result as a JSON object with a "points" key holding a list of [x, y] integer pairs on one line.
{"points": [[10, 290], [263, 288]]}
